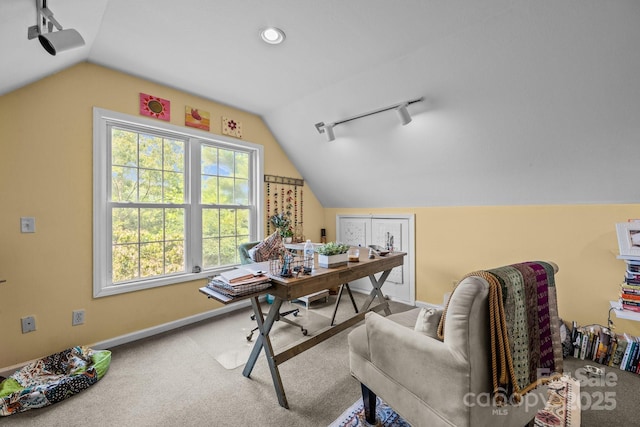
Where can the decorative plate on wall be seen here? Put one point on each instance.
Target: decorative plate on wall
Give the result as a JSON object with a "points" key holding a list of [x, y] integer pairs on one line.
{"points": [[153, 106]]}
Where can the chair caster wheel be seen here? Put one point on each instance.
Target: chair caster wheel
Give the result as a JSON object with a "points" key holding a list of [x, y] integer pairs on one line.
{"points": [[253, 317], [295, 314], [304, 332], [250, 336]]}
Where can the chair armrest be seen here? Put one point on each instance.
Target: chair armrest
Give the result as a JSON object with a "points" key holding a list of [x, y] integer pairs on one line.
{"points": [[422, 364]]}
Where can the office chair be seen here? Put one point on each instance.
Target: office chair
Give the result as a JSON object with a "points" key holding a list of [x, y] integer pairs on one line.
{"points": [[245, 258]]}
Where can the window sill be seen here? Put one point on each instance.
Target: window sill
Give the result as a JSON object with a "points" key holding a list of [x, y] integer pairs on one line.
{"points": [[105, 291]]}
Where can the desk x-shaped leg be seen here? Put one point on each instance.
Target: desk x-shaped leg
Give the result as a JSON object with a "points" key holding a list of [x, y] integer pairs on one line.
{"points": [[264, 326], [376, 292], [263, 341]]}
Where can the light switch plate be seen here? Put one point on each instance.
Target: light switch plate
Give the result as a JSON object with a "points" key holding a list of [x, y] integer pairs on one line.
{"points": [[28, 224]]}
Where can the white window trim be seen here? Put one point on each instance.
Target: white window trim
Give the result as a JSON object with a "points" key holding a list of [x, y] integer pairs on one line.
{"points": [[102, 240]]}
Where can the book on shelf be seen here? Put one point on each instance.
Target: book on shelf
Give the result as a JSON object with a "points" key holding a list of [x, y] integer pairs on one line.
{"points": [[612, 351], [630, 305], [636, 359], [632, 356], [621, 347], [632, 282], [630, 289], [593, 344], [577, 343], [605, 342], [632, 275], [585, 342], [625, 296], [625, 359], [632, 361], [637, 369]]}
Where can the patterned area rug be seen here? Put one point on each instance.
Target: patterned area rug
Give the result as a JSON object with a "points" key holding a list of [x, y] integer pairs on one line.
{"points": [[354, 416], [563, 405]]}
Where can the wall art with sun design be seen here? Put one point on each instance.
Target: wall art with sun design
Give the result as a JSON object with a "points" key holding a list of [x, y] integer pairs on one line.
{"points": [[153, 106], [231, 127], [196, 118]]}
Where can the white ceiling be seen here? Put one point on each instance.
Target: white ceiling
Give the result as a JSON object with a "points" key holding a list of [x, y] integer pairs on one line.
{"points": [[527, 102]]}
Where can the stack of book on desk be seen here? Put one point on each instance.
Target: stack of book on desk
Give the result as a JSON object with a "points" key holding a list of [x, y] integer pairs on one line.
{"points": [[239, 282]]}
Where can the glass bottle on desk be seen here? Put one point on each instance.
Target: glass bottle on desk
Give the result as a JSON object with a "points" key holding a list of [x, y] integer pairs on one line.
{"points": [[308, 257]]}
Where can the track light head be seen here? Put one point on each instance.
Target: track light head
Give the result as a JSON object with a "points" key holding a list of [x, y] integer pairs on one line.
{"points": [[403, 114], [328, 129], [59, 41], [52, 41]]}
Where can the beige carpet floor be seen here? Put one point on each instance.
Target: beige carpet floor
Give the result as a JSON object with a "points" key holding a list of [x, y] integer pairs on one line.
{"points": [[178, 378]]}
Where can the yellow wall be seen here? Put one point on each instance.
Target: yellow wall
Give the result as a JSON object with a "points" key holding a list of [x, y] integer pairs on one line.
{"points": [[46, 147], [581, 239], [46, 144]]}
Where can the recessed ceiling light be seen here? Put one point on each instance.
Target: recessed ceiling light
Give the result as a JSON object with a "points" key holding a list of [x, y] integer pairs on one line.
{"points": [[272, 35]]}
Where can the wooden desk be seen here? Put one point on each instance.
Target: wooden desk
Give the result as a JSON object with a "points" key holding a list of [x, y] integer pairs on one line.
{"points": [[287, 289]]}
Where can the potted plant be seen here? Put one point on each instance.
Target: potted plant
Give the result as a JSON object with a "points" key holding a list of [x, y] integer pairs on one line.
{"points": [[332, 254], [282, 223]]}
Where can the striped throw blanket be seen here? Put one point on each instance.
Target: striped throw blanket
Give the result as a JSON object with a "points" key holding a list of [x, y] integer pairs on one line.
{"points": [[524, 326]]}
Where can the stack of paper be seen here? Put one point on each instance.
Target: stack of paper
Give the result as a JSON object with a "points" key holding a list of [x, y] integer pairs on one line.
{"points": [[239, 282]]}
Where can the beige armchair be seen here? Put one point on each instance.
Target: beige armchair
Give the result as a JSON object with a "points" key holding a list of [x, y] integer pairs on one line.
{"points": [[433, 382]]}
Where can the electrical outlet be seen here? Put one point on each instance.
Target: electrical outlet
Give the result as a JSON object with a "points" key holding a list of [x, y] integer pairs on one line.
{"points": [[77, 317], [28, 324], [27, 224]]}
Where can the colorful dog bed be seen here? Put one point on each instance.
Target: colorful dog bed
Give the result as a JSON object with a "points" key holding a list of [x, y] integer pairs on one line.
{"points": [[52, 379]]}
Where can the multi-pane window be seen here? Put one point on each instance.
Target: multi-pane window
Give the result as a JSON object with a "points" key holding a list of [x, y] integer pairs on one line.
{"points": [[147, 205], [224, 178], [168, 205]]}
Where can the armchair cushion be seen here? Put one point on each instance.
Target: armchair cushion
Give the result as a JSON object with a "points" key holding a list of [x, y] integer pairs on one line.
{"points": [[428, 320]]}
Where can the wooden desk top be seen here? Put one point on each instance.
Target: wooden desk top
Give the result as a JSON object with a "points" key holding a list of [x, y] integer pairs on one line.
{"points": [[290, 288]]}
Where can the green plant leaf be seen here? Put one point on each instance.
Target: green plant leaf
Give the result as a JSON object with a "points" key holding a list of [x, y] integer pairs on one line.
{"points": [[333, 248]]}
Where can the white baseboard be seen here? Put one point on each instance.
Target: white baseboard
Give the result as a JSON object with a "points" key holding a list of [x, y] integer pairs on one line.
{"points": [[145, 333], [155, 330]]}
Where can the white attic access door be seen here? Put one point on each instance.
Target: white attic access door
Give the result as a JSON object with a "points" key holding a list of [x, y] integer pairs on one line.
{"points": [[365, 230]]}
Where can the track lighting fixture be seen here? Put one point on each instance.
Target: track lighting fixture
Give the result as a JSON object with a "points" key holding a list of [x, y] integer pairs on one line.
{"points": [[53, 41], [401, 110], [403, 114]]}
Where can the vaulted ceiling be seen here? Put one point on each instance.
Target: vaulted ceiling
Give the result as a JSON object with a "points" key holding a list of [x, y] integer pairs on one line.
{"points": [[526, 102]]}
